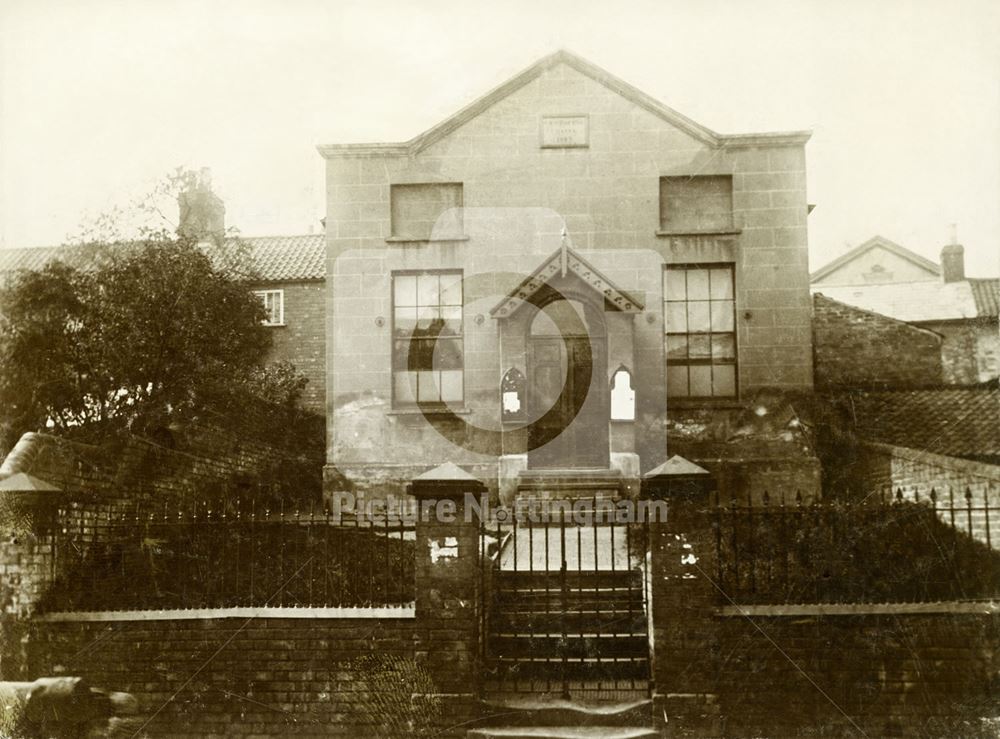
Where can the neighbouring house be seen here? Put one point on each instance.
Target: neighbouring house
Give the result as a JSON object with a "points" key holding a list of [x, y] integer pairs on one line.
{"points": [[891, 280], [568, 226], [291, 269]]}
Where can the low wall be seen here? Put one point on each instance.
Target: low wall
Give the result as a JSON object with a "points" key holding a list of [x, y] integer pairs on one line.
{"points": [[203, 675], [914, 473], [891, 672]]}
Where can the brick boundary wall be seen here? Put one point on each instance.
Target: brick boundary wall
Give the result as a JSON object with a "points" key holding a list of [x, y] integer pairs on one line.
{"points": [[856, 347], [211, 460], [915, 472], [242, 677], [875, 674]]}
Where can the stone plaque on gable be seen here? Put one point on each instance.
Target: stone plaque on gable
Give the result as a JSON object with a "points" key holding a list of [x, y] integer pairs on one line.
{"points": [[564, 131]]}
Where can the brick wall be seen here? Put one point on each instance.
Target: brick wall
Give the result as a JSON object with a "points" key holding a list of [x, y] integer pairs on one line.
{"points": [[970, 350], [236, 676], [855, 347], [971, 487], [302, 340], [206, 460], [859, 675]]}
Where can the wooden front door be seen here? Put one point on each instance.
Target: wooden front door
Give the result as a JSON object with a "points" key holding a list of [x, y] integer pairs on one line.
{"points": [[564, 374]]}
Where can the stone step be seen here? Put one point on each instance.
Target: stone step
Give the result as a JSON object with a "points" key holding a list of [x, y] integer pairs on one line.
{"points": [[577, 668], [576, 579], [569, 484], [564, 732], [548, 710], [572, 646]]}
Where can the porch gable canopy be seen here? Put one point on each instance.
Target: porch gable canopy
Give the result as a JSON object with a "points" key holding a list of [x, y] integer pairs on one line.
{"points": [[562, 262]]}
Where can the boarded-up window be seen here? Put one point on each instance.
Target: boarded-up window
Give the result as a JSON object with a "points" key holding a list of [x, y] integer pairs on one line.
{"points": [[699, 309], [696, 203], [429, 210]]}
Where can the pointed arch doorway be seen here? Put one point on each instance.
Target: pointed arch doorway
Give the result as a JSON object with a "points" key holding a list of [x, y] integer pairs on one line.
{"points": [[567, 385]]}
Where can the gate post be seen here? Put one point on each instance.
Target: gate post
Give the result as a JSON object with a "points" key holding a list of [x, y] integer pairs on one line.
{"points": [[682, 598], [447, 583]]}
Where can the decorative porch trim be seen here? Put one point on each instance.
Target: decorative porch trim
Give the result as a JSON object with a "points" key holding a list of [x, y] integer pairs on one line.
{"points": [[564, 260]]}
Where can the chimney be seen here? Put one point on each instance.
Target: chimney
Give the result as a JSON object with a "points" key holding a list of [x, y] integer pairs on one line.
{"points": [[202, 212], [953, 259]]}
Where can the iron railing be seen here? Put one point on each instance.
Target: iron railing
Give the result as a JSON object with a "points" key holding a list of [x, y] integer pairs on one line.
{"points": [[893, 546], [128, 557]]}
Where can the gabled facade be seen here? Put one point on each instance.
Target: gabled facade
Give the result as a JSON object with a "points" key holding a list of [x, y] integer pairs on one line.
{"points": [[877, 261], [530, 284], [891, 280]]}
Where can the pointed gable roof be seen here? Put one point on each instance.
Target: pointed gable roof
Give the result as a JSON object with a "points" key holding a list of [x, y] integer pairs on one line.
{"points": [[581, 65], [873, 243], [565, 260]]}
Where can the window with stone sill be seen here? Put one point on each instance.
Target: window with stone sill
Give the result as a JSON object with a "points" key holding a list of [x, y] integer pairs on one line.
{"points": [[699, 309], [428, 365], [696, 203], [274, 305], [427, 210]]}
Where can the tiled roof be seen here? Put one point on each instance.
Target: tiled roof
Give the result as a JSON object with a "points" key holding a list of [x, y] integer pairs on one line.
{"points": [[38, 257], [909, 301], [281, 258], [986, 293], [958, 422], [277, 258]]}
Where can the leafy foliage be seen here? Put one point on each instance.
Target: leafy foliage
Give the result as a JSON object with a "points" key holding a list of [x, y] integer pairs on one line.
{"points": [[134, 329], [870, 553], [146, 331]]}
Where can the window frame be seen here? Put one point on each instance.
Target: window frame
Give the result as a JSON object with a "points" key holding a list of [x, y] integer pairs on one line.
{"points": [[280, 293], [398, 405], [701, 362]]}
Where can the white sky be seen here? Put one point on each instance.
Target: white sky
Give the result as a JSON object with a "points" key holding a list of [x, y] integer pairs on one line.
{"points": [[100, 98]]}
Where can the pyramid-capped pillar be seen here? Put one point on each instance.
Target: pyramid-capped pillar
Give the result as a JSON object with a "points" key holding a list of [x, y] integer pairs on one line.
{"points": [[446, 577], [678, 478], [447, 480]]}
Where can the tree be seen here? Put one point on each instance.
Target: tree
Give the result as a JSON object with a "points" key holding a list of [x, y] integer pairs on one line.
{"points": [[133, 335]]}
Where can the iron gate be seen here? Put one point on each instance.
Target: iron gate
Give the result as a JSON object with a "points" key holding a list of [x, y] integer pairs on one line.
{"points": [[564, 601]]}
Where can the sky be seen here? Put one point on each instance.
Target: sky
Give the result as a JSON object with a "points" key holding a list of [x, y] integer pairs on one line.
{"points": [[99, 99]]}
